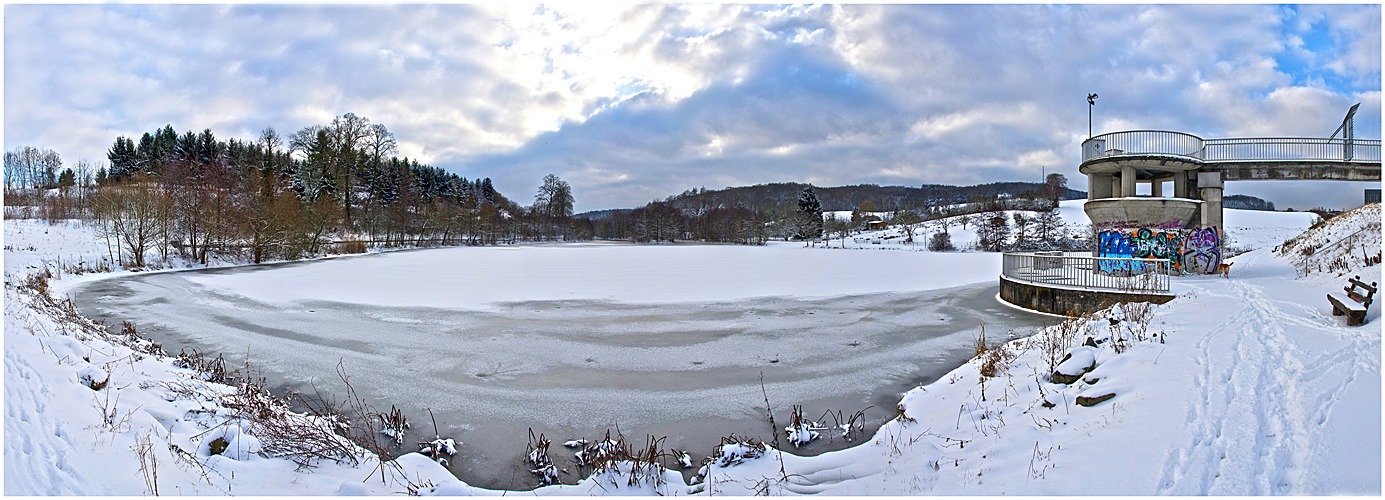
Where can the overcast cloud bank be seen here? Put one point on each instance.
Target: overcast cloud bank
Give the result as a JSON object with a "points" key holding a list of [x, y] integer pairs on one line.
{"points": [[634, 103]]}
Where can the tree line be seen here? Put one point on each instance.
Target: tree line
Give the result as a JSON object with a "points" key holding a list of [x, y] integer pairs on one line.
{"points": [[748, 216], [324, 188]]}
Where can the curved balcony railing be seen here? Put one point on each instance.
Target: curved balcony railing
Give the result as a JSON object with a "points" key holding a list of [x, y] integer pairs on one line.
{"points": [[1087, 272], [1163, 142], [1142, 142]]}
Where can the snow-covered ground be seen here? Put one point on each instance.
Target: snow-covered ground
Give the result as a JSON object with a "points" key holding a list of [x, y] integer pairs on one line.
{"points": [[474, 277], [1240, 386]]}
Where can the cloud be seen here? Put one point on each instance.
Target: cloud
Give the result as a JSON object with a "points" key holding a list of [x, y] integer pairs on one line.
{"points": [[633, 103]]}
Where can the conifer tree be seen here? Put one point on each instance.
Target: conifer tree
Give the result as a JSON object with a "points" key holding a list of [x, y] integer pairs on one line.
{"points": [[122, 158], [810, 213]]}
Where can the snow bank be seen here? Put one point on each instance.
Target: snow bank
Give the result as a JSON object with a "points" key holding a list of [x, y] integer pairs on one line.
{"points": [[88, 412]]}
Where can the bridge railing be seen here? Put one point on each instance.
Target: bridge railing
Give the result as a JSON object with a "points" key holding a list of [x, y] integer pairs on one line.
{"points": [[1085, 271], [1291, 148], [1145, 142]]}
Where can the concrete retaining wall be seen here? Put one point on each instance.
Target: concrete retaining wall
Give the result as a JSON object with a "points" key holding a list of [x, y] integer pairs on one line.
{"points": [[1065, 301]]}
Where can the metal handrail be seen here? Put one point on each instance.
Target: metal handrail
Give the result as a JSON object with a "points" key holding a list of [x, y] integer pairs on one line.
{"points": [[1087, 272], [1143, 142], [1291, 149], [1164, 142]]}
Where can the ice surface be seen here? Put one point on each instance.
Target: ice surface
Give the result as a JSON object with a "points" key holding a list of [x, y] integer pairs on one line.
{"points": [[579, 362]]}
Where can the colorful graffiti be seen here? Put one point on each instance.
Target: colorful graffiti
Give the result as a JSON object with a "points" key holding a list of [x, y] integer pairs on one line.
{"points": [[1193, 251], [1143, 243], [1201, 250]]}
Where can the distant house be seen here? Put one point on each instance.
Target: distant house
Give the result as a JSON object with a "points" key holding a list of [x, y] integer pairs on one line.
{"points": [[876, 224]]}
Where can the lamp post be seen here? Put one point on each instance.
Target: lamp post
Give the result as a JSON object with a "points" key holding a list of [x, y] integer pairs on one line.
{"points": [[1091, 101]]}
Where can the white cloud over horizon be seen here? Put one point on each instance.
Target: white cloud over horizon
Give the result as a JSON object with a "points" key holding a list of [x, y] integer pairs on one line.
{"points": [[634, 103]]}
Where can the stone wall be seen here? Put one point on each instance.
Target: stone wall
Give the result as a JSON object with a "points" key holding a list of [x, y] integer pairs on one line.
{"points": [[1068, 302]]}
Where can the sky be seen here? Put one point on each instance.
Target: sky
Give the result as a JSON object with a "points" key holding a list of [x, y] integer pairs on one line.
{"points": [[633, 103]]}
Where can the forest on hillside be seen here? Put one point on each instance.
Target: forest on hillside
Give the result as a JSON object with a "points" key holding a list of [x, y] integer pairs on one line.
{"points": [[335, 187]]}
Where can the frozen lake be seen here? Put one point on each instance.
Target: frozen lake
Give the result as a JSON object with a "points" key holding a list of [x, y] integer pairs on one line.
{"points": [[574, 339]]}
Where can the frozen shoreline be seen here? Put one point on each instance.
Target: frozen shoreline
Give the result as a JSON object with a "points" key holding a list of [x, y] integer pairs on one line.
{"points": [[573, 368], [1259, 351]]}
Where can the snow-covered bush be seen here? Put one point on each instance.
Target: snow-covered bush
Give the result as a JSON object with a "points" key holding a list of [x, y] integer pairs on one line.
{"points": [[230, 441]]}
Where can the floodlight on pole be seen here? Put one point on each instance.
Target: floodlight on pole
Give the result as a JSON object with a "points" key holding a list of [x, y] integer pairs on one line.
{"points": [[1091, 101]]}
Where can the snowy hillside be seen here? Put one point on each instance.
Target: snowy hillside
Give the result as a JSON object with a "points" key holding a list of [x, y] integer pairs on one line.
{"points": [[1240, 386], [1245, 229], [1337, 246]]}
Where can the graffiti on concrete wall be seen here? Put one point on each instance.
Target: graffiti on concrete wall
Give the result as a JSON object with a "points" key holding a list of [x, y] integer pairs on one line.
{"points": [[1193, 251], [1201, 252], [1143, 243]]}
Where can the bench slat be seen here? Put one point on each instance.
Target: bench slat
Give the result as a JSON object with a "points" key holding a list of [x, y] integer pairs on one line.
{"points": [[1345, 303]]}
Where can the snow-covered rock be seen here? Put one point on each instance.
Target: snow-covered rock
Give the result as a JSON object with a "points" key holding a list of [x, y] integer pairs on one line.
{"points": [[93, 377], [1077, 362]]}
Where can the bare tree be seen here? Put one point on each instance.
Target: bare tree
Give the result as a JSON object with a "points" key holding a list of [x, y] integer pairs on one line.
{"points": [[134, 215], [380, 140]]}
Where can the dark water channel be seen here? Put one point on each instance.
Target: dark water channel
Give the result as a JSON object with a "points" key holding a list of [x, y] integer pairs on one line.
{"points": [[574, 369]]}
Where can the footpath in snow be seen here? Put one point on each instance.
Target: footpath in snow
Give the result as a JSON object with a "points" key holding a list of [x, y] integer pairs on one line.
{"points": [[1242, 386]]}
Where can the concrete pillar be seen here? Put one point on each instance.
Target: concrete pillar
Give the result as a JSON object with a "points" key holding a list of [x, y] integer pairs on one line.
{"points": [[1180, 184], [1099, 186], [1108, 185], [1156, 188], [1127, 181], [1210, 188]]}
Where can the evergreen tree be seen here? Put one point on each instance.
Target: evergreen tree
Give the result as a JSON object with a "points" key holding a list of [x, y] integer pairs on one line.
{"points": [[145, 153], [810, 213], [487, 192], [122, 158], [164, 142], [316, 177]]}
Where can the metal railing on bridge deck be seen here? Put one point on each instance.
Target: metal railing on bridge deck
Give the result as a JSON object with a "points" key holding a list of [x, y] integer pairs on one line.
{"points": [[1163, 142], [1085, 271], [1291, 149]]}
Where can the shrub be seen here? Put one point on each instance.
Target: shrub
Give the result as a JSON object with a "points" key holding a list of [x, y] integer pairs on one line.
{"points": [[940, 242]]}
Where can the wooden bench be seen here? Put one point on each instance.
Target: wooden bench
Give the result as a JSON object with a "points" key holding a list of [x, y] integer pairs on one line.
{"points": [[1356, 301]]}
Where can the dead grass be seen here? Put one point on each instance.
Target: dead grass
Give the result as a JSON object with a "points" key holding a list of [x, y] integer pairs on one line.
{"points": [[303, 439], [349, 247], [211, 369], [540, 464], [617, 458], [1134, 325], [1054, 343]]}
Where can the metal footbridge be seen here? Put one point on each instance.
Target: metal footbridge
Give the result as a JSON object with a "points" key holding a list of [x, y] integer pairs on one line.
{"points": [[1243, 159]]}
